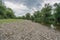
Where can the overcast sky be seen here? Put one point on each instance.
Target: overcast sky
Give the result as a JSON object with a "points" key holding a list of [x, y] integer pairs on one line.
{"points": [[21, 7]]}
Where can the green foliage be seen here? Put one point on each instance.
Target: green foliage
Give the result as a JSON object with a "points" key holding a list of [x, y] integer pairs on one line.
{"points": [[3, 21], [23, 17], [10, 13], [32, 18], [37, 16], [2, 12], [5, 12], [46, 13], [45, 16], [57, 13], [28, 16]]}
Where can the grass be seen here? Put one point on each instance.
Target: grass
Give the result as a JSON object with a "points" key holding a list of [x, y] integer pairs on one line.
{"points": [[9, 20]]}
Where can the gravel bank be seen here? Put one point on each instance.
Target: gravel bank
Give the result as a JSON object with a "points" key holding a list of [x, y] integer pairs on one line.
{"points": [[27, 30]]}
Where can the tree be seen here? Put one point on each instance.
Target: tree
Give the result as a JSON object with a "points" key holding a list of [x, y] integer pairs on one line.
{"points": [[57, 12], [10, 13], [32, 18], [28, 16], [36, 16], [46, 13], [23, 17], [5, 12], [2, 11]]}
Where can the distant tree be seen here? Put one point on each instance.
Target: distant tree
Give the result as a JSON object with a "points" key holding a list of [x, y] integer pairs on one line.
{"points": [[28, 16], [36, 16], [32, 18], [23, 17]]}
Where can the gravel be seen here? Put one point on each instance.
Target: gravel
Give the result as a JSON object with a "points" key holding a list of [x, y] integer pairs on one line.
{"points": [[27, 30]]}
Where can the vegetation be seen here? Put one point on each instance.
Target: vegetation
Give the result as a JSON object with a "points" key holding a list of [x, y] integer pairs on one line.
{"points": [[5, 12], [47, 15], [3, 21]]}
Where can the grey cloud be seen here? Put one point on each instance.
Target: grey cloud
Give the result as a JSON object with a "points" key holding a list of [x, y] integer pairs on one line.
{"points": [[28, 3], [20, 12], [33, 3]]}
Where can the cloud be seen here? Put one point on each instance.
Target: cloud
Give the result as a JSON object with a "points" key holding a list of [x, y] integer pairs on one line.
{"points": [[21, 7], [15, 6], [28, 3], [51, 1]]}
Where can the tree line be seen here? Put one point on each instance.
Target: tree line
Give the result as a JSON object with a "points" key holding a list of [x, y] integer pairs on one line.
{"points": [[47, 15]]}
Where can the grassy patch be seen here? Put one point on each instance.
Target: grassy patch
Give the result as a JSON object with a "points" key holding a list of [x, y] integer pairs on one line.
{"points": [[9, 20]]}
